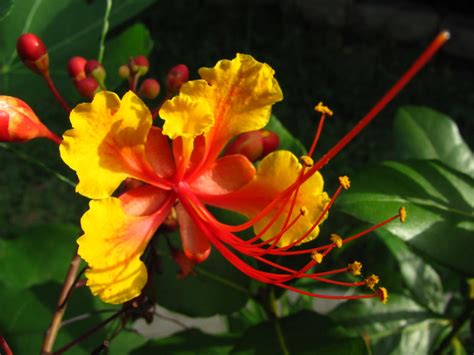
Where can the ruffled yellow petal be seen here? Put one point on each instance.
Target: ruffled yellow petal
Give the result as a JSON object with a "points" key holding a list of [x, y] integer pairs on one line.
{"points": [[234, 97], [112, 244], [242, 93], [275, 173], [106, 144]]}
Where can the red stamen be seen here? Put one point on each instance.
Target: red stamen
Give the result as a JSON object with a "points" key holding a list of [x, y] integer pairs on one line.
{"points": [[317, 135]]}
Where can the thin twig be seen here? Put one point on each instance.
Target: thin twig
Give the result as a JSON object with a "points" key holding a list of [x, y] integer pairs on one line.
{"points": [[90, 332], [52, 332], [105, 29]]}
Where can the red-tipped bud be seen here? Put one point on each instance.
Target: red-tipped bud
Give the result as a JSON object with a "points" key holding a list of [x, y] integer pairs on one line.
{"points": [[255, 145], [249, 144], [270, 141], [33, 53], [124, 71], [185, 264], [95, 70], [177, 76], [150, 89], [87, 87], [139, 65], [18, 122], [77, 68]]}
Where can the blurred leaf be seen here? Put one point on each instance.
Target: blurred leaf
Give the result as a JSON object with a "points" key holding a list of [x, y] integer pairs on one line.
{"points": [[37, 255], [26, 315], [68, 28], [126, 342], [5, 8], [217, 287], [189, 342], [439, 202], [401, 326], [304, 333], [422, 280], [422, 133], [287, 141], [135, 40]]}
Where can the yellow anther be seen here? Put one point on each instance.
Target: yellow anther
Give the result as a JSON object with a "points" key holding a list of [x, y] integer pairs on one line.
{"points": [[383, 294], [307, 161], [403, 214], [318, 257], [303, 211], [345, 182], [371, 281], [336, 240], [323, 109], [355, 268]]}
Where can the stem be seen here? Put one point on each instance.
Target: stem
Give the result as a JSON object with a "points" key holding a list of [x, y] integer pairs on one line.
{"points": [[4, 346], [458, 323], [56, 94], [39, 164], [105, 29], [53, 329], [273, 315], [90, 332]]}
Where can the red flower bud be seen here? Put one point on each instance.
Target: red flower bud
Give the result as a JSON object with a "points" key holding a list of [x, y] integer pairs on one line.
{"points": [[18, 122], [87, 87], [249, 144], [76, 68], [270, 141], [177, 76], [139, 65], [185, 264], [95, 70], [150, 89], [33, 53], [124, 71], [255, 145]]}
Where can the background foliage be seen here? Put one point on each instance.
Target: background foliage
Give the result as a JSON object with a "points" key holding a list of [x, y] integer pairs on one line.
{"points": [[412, 156]]}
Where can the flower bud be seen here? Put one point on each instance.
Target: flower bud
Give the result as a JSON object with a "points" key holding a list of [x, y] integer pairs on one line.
{"points": [[270, 141], [150, 89], [177, 76], [18, 122], [87, 87], [249, 144], [33, 53], [95, 70], [139, 65], [77, 68], [124, 71]]}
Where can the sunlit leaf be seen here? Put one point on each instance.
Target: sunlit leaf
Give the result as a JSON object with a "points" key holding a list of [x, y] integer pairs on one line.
{"points": [[422, 133]]}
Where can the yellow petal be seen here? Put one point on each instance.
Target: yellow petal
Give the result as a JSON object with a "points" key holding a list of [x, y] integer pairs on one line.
{"points": [[242, 93], [106, 144], [234, 97], [275, 173], [112, 244]]}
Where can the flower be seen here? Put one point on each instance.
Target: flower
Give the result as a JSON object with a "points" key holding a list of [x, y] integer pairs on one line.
{"points": [[180, 166]]}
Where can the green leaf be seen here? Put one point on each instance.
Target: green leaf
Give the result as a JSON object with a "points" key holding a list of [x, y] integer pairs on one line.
{"points": [[302, 333], [287, 141], [5, 8], [439, 202], [37, 255], [26, 315], [216, 288], [68, 28], [189, 342], [422, 279], [422, 133], [135, 40], [401, 326]]}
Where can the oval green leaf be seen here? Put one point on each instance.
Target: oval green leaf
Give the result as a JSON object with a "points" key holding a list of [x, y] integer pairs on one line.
{"points": [[439, 201], [423, 133]]}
